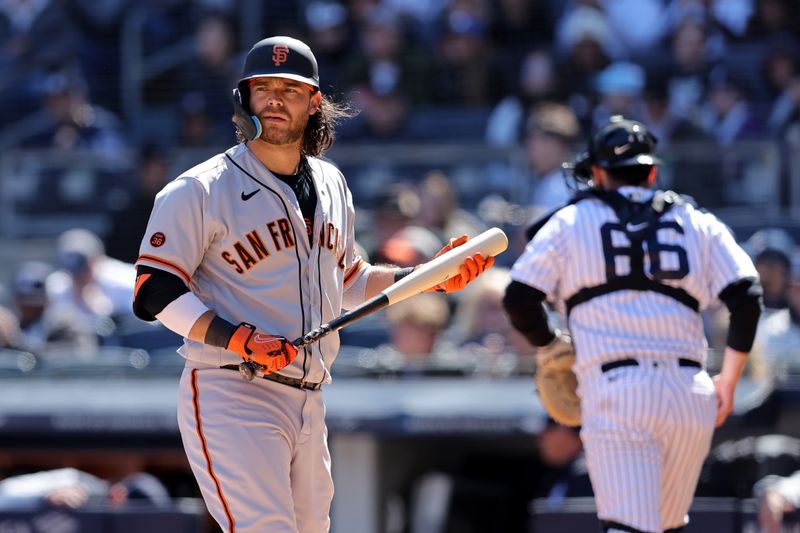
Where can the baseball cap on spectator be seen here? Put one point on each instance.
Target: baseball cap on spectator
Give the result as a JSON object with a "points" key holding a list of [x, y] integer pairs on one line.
{"points": [[771, 243], [621, 78], [30, 283], [583, 23], [77, 248], [556, 120]]}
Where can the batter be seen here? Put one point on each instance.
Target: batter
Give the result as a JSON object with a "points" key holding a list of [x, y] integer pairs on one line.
{"points": [[632, 268], [242, 252]]}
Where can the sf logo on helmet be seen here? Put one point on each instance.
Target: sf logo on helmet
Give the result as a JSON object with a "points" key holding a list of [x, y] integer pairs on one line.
{"points": [[280, 52]]}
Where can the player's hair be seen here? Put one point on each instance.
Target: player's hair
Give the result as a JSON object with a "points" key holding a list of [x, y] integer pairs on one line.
{"points": [[633, 175], [320, 130]]}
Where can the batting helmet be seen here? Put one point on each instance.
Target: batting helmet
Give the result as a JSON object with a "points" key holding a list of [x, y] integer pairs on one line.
{"points": [[620, 143], [274, 57]]}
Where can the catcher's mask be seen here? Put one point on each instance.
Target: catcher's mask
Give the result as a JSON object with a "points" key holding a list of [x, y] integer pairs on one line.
{"points": [[620, 143], [274, 57]]}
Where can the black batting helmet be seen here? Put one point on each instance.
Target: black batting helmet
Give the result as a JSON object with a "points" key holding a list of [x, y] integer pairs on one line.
{"points": [[281, 57], [619, 143], [274, 57]]}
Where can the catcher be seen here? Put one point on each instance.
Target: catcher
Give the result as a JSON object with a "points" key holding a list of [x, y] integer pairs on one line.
{"points": [[632, 268]]}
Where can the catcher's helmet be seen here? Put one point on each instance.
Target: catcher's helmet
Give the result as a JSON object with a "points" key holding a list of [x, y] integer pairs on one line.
{"points": [[274, 57], [620, 143]]}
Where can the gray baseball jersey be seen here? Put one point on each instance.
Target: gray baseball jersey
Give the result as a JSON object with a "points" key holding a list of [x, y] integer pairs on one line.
{"points": [[646, 423], [236, 235]]}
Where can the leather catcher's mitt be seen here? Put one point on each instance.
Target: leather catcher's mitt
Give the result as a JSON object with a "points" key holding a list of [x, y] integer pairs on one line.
{"points": [[556, 382]]}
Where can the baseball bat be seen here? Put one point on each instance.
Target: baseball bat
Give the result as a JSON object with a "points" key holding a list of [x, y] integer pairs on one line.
{"points": [[489, 243]]}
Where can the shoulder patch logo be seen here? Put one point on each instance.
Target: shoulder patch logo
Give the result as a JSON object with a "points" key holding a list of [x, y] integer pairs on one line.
{"points": [[158, 239], [280, 54]]}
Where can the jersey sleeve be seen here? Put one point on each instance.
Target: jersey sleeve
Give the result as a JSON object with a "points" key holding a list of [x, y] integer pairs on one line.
{"points": [[176, 236], [541, 264], [728, 262], [355, 267]]}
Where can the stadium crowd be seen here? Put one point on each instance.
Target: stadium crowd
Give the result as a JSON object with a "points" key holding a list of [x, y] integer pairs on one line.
{"points": [[135, 90]]}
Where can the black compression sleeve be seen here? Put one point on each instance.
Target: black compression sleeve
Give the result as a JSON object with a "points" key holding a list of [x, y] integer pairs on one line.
{"points": [[744, 300], [525, 308], [156, 291]]}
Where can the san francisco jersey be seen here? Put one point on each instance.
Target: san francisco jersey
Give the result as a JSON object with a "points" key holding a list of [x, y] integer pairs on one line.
{"points": [[235, 234], [585, 245]]}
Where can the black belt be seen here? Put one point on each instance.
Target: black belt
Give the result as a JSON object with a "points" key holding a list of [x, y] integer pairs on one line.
{"points": [[611, 365], [278, 378]]}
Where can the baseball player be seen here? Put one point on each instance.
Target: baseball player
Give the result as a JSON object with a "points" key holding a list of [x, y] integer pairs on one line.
{"points": [[247, 250], [631, 268]]}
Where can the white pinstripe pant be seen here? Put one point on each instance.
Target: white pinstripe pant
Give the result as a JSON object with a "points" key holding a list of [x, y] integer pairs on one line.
{"points": [[647, 430]]}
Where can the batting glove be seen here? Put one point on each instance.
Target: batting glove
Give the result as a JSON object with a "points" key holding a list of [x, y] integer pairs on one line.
{"points": [[470, 269], [272, 352]]}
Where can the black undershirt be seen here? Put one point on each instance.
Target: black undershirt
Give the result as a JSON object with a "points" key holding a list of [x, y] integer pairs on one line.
{"points": [[303, 187]]}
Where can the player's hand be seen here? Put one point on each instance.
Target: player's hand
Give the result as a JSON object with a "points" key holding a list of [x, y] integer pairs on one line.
{"points": [[725, 390], [273, 352], [470, 269]]}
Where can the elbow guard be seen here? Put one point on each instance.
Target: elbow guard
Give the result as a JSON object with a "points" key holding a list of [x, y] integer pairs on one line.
{"points": [[525, 308], [743, 298]]}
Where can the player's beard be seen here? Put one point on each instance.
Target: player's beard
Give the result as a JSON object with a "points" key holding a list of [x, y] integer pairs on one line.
{"points": [[283, 136]]}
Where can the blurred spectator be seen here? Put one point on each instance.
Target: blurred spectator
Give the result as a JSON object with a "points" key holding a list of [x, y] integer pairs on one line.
{"points": [[394, 209], [519, 25], [129, 220], [778, 497], [734, 466], [690, 65], [390, 64], [197, 128], [99, 52], [724, 19], [620, 87], [43, 325], [537, 83], [772, 250], [782, 87], [641, 37], [773, 18], [10, 334], [36, 37], [727, 114], [777, 342], [382, 117], [480, 327], [69, 121], [414, 347], [329, 37], [440, 211], [213, 69], [551, 130], [74, 489], [465, 68], [586, 45], [410, 246], [93, 287]]}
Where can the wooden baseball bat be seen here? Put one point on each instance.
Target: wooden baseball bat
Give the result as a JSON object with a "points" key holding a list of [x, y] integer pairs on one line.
{"points": [[489, 243]]}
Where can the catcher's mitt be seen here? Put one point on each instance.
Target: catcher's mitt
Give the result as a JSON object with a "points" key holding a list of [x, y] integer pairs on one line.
{"points": [[556, 381]]}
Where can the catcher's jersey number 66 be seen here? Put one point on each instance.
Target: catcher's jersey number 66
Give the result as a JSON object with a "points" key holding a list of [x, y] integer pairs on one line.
{"points": [[666, 260]]}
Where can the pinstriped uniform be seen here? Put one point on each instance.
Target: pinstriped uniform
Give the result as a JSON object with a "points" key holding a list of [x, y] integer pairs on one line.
{"points": [[646, 428]]}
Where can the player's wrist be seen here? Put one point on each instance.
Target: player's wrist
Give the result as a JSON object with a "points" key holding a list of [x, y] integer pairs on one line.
{"points": [[239, 338], [219, 332]]}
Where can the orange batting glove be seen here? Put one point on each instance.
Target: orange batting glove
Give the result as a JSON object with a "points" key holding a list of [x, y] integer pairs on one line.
{"points": [[273, 352], [470, 269]]}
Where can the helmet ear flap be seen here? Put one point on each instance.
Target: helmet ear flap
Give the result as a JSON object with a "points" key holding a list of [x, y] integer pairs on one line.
{"points": [[248, 125]]}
